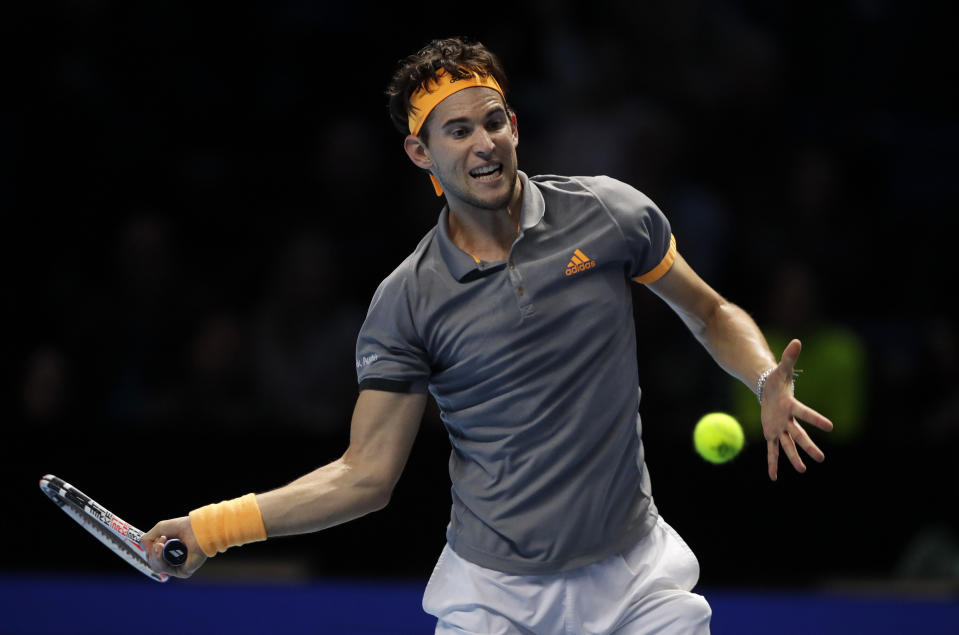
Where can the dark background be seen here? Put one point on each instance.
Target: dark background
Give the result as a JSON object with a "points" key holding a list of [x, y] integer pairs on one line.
{"points": [[200, 201]]}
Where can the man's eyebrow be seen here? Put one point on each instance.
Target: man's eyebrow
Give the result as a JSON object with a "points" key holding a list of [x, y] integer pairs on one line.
{"points": [[461, 120], [455, 121]]}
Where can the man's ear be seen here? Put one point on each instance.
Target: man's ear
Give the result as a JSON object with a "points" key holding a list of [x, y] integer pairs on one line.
{"points": [[515, 126], [417, 151]]}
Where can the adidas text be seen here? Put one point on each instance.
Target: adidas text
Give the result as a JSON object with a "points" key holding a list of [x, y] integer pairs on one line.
{"points": [[583, 266]]}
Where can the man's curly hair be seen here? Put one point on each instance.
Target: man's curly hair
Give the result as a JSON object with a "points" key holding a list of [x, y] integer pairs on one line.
{"points": [[458, 56]]}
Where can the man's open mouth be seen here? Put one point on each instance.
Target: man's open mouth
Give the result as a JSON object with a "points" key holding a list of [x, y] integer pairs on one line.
{"points": [[487, 172]]}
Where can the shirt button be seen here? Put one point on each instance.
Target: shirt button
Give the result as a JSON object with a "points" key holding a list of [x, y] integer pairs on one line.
{"points": [[520, 291]]}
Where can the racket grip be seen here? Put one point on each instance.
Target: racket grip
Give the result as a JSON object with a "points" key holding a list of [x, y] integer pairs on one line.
{"points": [[174, 552]]}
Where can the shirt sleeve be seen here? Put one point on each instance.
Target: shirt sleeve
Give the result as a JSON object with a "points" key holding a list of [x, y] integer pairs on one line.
{"points": [[650, 244], [390, 355]]}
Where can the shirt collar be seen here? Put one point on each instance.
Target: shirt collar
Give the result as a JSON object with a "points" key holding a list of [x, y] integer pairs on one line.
{"points": [[533, 204], [460, 263]]}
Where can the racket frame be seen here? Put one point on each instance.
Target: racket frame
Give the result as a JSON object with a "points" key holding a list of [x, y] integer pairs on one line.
{"points": [[119, 536]]}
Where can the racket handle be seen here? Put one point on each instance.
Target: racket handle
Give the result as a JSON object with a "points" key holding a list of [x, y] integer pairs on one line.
{"points": [[174, 552]]}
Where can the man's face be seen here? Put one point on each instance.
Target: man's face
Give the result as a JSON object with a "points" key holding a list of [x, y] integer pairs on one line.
{"points": [[472, 147]]}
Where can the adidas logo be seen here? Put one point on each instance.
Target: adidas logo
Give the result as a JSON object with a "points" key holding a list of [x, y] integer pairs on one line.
{"points": [[579, 262]]}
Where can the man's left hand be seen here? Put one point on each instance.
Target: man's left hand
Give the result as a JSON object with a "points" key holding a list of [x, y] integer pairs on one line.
{"points": [[781, 412]]}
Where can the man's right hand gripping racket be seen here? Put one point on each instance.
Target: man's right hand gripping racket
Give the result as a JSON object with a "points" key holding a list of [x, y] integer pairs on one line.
{"points": [[120, 536]]}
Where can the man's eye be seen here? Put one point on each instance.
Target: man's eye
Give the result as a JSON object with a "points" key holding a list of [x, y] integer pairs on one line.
{"points": [[458, 133], [495, 124]]}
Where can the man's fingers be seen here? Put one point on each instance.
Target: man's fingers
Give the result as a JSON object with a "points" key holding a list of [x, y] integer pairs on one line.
{"points": [[791, 452], [789, 439], [152, 535], [156, 539], [810, 416], [158, 564], [801, 438], [155, 556], [790, 355], [792, 434]]}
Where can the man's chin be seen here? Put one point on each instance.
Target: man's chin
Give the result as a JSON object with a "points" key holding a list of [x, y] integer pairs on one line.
{"points": [[496, 200], [485, 197]]}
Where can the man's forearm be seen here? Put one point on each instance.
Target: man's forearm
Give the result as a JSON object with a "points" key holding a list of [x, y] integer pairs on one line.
{"points": [[328, 496], [382, 431], [724, 329], [734, 340]]}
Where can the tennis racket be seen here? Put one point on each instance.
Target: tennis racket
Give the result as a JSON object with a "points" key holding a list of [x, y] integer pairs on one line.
{"points": [[120, 536]]}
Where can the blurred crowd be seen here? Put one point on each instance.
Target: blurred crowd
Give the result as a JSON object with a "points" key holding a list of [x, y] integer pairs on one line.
{"points": [[206, 203], [150, 343]]}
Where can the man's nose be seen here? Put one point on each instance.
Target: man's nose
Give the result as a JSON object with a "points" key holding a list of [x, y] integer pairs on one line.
{"points": [[483, 142]]}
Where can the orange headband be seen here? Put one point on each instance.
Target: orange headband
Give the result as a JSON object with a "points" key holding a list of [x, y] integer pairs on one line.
{"points": [[425, 98]]}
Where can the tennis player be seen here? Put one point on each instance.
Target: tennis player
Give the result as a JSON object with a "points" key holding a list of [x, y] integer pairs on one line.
{"points": [[515, 313]]}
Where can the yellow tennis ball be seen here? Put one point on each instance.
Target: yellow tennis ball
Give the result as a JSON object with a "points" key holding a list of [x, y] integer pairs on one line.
{"points": [[718, 437]]}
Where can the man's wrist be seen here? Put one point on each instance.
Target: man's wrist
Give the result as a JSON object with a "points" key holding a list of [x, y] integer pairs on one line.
{"points": [[761, 384], [231, 523]]}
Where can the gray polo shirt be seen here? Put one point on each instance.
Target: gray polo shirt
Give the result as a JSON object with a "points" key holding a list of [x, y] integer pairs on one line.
{"points": [[532, 363]]}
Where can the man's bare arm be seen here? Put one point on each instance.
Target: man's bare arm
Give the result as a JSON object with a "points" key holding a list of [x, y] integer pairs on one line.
{"points": [[734, 340], [382, 431]]}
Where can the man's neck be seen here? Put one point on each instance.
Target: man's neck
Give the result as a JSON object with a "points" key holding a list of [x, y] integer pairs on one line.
{"points": [[485, 234]]}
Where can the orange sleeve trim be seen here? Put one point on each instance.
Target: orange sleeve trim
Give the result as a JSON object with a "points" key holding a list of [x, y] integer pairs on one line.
{"points": [[660, 270]]}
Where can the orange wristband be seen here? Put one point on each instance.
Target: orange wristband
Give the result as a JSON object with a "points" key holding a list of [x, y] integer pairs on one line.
{"points": [[232, 523]]}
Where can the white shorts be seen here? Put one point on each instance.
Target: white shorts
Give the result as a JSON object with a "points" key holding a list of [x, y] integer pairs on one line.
{"points": [[646, 589]]}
